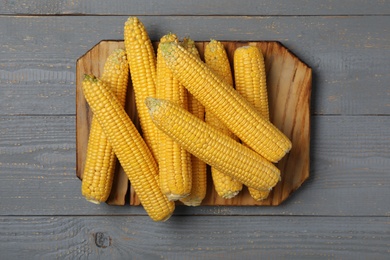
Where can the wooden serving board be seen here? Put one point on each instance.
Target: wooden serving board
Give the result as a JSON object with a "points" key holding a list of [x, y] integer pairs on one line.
{"points": [[289, 91]]}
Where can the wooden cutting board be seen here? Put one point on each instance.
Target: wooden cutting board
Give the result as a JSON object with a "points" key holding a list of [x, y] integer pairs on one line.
{"points": [[289, 90]]}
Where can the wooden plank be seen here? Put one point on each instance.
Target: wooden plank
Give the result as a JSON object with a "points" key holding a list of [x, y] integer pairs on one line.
{"points": [[202, 7], [195, 237], [347, 55], [350, 163], [289, 91]]}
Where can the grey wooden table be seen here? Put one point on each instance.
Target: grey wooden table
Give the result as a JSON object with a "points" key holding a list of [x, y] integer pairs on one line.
{"points": [[342, 211]]}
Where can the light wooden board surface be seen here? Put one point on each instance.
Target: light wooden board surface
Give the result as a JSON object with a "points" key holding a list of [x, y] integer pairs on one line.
{"points": [[341, 212], [289, 92]]}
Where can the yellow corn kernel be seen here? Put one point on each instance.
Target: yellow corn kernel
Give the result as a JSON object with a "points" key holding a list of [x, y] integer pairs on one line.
{"points": [[199, 168], [213, 147], [131, 150], [250, 80], [142, 64], [217, 60], [174, 161], [100, 160], [225, 102]]}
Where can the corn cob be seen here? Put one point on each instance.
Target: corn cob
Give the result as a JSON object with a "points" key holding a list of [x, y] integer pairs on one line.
{"points": [[213, 147], [131, 150], [199, 168], [174, 161], [142, 64], [250, 79], [216, 58], [230, 107], [100, 160]]}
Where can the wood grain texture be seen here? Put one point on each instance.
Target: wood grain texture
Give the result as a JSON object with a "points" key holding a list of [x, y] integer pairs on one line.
{"points": [[349, 172], [289, 89], [200, 7], [199, 237], [347, 54]]}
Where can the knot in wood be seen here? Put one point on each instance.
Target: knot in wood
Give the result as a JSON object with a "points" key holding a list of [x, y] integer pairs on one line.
{"points": [[102, 240]]}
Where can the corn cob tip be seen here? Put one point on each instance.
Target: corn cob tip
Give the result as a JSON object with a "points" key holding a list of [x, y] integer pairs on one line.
{"points": [[93, 201], [213, 43], [169, 37], [188, 40], [230, 195], [131, 20], [118, 55], [169, 53], [169, 34], [152, 103], [193, 203], [164, 219], [245, 47], [188, 44], [90, 77], [166, 47], [174, 197]]}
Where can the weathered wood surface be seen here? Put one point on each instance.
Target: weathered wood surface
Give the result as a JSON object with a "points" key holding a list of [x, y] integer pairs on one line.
{"points": [[213, 238], [349, 171], [199, 7], [341, 212], [349, 55]]}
